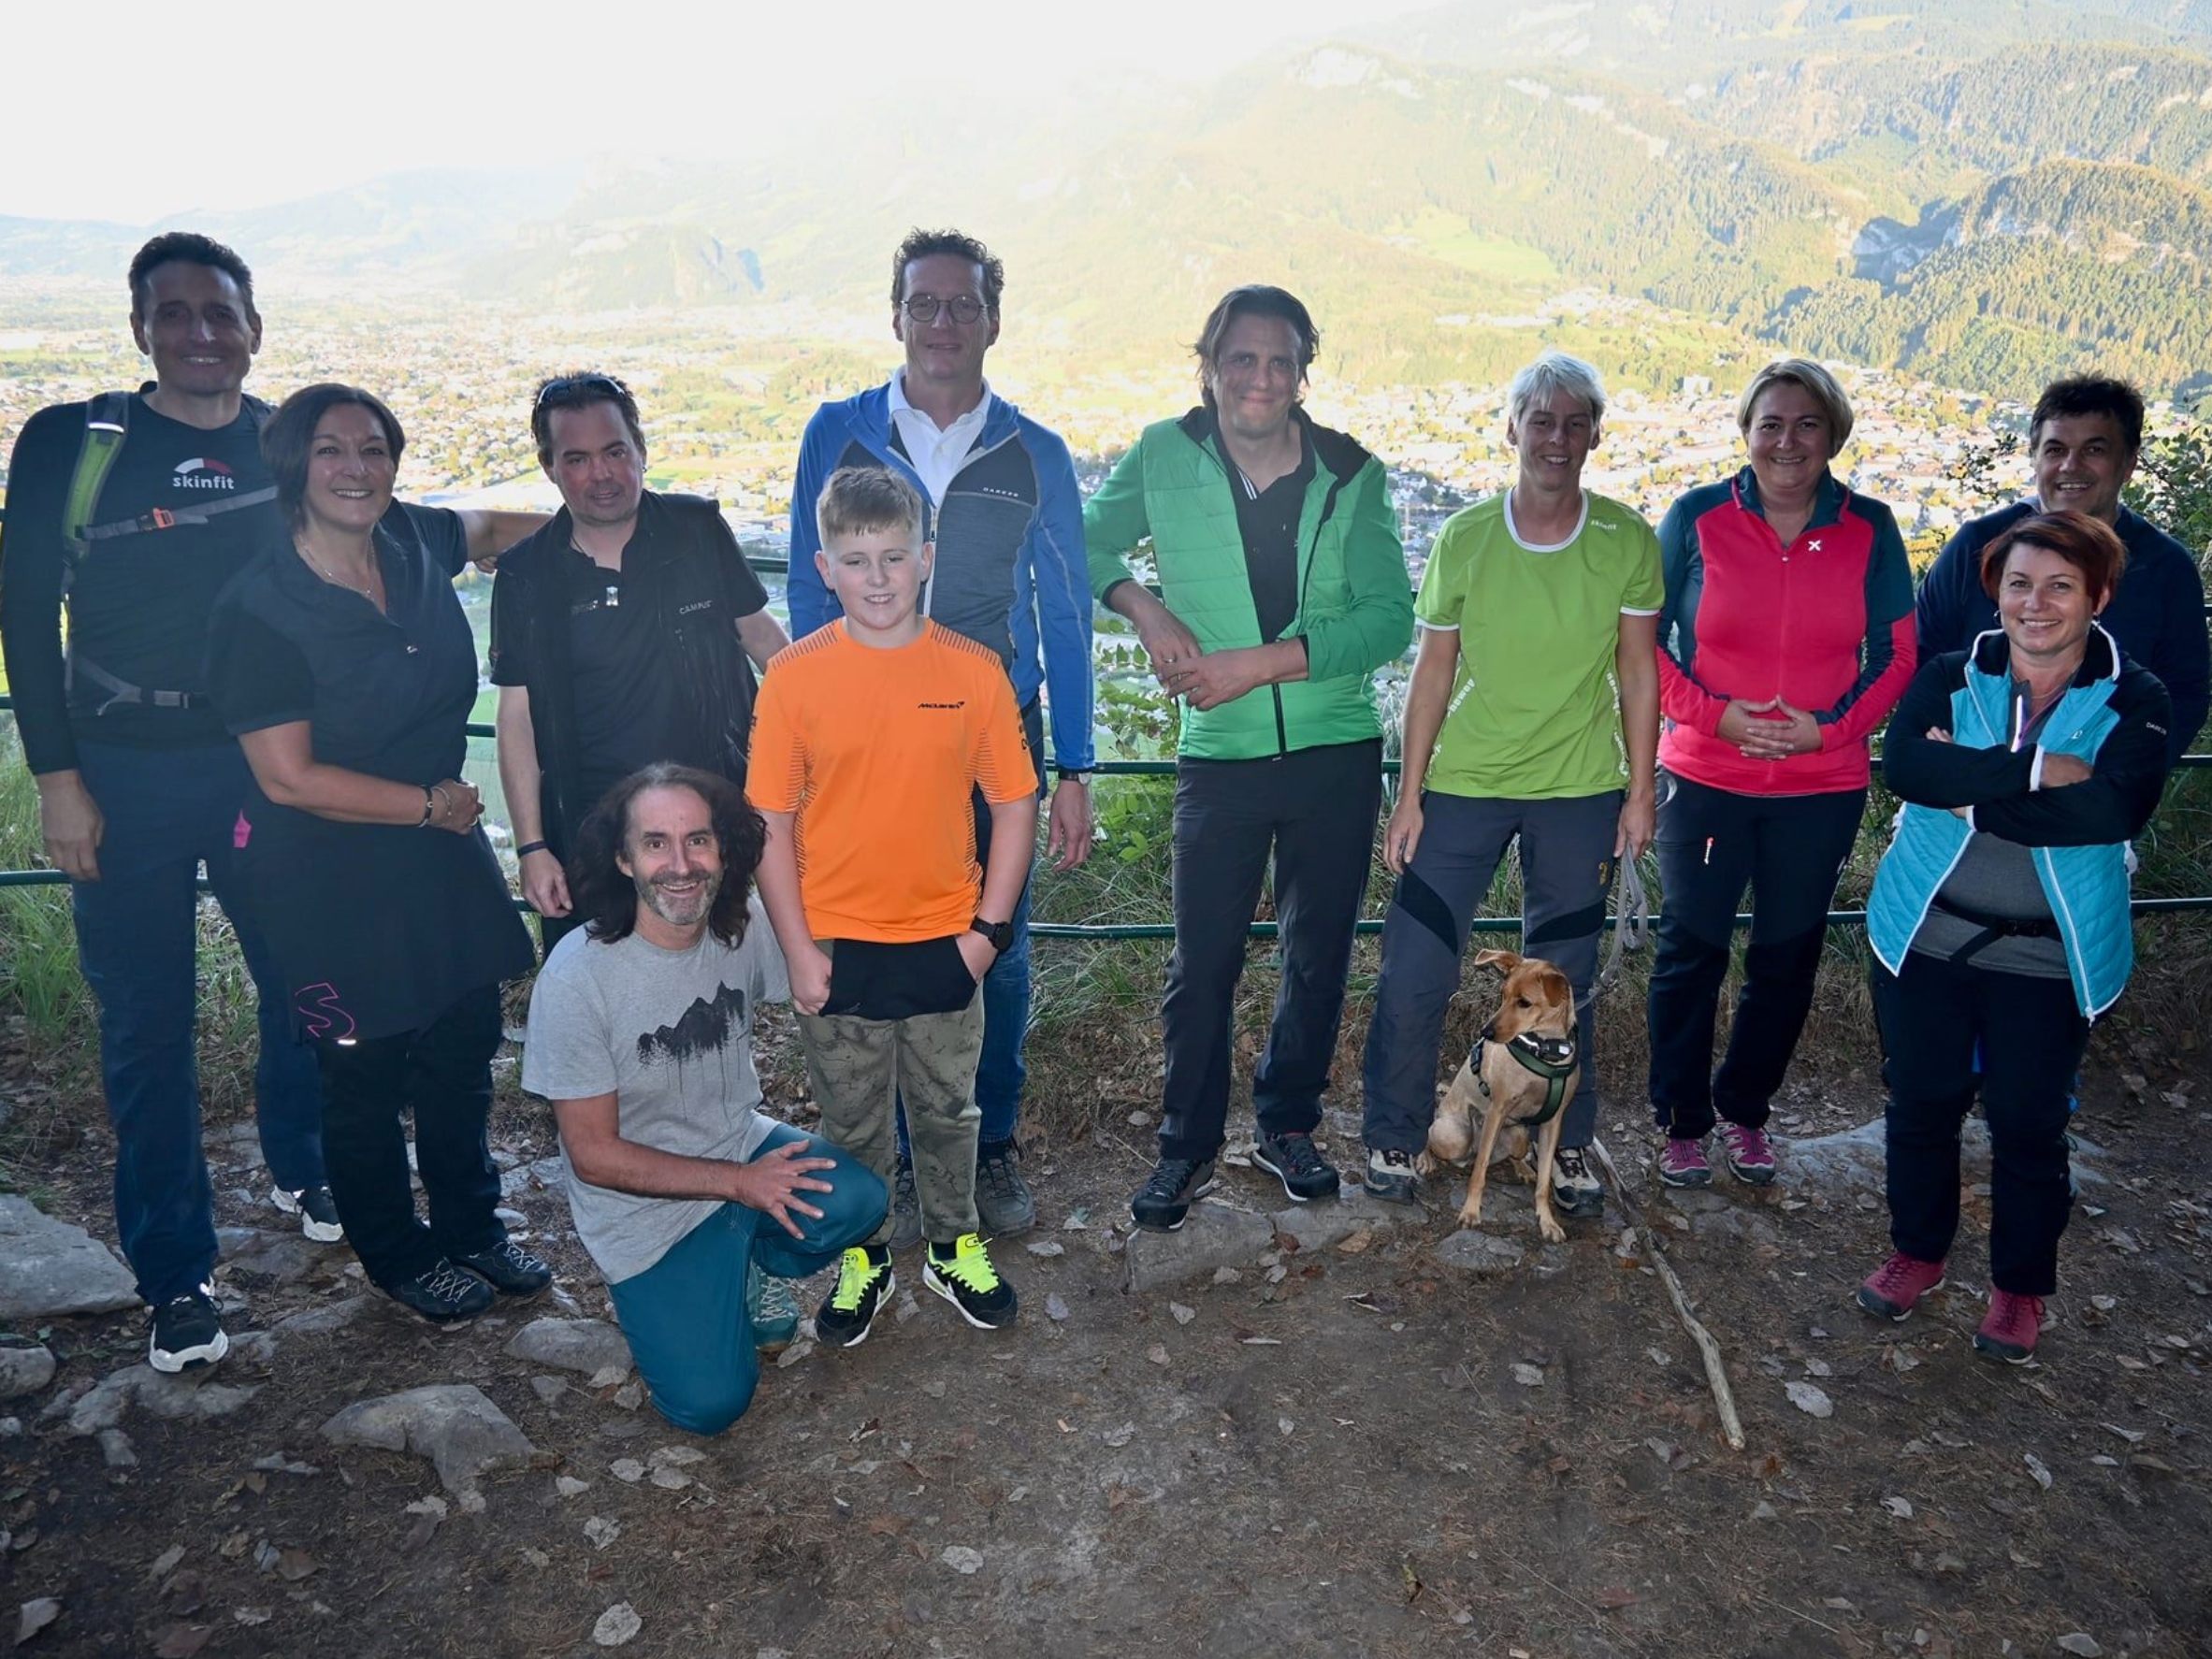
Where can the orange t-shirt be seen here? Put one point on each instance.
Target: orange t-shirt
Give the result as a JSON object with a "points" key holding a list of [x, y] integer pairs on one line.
{"points": [[878, 751]]}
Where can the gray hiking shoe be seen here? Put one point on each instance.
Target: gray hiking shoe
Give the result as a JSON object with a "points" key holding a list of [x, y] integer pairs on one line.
{"points": [[1004, 1204], [906, 1208]]}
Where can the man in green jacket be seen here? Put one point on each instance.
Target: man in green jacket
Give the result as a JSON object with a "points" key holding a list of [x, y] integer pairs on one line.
{"points": [[1283, 587]]}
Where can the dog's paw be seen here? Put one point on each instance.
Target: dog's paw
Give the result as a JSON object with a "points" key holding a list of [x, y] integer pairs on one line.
{"points": [[1470, 1215], [1552, 1232]]}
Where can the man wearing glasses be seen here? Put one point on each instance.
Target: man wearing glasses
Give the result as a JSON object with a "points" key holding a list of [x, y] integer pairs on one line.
{"points": [[1006, 518], [620, 635]]}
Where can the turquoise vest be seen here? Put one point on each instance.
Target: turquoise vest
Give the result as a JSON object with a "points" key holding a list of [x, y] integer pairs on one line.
{"points": [[2087, 887]]}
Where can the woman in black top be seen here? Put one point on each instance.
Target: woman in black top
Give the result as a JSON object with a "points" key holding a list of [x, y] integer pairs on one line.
{"points": [[341, 660]]}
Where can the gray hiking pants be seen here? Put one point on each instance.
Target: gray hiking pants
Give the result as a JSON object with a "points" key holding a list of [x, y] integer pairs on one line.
{"points": [[1567, 869]]}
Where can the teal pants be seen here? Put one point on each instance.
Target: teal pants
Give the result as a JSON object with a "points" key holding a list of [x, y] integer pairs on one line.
{"points": [[684, 1316]]}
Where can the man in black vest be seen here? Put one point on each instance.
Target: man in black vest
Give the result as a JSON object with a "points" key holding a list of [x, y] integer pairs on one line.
{"points": [[620, 635]]}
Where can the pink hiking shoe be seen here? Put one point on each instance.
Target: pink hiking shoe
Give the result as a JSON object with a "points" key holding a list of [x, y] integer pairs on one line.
{"points": [[1894, 1289], [1749, 1158], [2009, 1332], [1681, 1164]]}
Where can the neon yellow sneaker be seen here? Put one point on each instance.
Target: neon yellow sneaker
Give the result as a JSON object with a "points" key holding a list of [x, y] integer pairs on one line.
{"points": [[961, 1272], [864, 1278]]}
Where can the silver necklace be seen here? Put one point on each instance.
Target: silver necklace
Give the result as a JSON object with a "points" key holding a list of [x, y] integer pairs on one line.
{"points": [[367, 592]]}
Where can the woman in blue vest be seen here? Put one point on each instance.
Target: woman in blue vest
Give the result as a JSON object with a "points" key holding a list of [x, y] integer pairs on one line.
{"points": [[1998, 916]]}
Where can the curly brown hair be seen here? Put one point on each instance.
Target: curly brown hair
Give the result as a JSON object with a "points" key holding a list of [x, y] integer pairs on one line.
{"points": [[607, 900]]}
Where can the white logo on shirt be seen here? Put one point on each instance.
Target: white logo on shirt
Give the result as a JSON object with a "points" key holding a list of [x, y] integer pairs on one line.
{"points": [[202, 474]]}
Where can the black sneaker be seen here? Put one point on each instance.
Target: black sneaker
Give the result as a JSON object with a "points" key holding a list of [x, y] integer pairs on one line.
{"points": [[1162, 1202], [1392, 1175], [906, 1208], [317, 1212], [444, 1294], [510, 1269], [1575, 1187], [864, 1278], [1297, 1164], [187, 1331], [1005, 1207], [962, 1274]]}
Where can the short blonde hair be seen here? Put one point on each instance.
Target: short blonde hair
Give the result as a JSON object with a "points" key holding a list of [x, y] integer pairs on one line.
{"points": [[858, 499], [1817, 380]]}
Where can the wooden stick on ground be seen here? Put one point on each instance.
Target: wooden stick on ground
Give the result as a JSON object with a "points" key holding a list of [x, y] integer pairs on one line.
{"points": [[1715, 1375]]}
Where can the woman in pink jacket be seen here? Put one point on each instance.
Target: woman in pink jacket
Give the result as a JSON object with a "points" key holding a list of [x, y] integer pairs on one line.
{"points": [[1787, 638]]}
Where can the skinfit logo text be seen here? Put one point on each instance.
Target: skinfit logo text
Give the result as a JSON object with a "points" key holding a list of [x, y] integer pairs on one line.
{"points": [[202, 474]]}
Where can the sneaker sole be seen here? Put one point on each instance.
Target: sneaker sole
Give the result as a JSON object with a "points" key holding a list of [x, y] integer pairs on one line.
{"points": [[1260, 1161], [1753, 1178], [2000, 1353], [1393, 1192], [1702, 1177], [1883, 1309], [1176, 1225], [207, 1353], [944, 1287], [891, 1283], [1014, 1230], [322, 1232]]}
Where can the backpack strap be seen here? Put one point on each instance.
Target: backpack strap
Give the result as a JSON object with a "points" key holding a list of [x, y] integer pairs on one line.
{"points": [[106, 423]]}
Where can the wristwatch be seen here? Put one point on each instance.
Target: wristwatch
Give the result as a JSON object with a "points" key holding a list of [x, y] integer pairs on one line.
{"points": [[1079, 775], [1000, 935]]}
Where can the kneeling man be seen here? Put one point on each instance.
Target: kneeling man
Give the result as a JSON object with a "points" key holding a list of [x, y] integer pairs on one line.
{"points": [[640, 1035]]}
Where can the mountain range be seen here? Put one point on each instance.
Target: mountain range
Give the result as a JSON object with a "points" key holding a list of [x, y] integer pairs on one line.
{"points": [[1980, 191]]}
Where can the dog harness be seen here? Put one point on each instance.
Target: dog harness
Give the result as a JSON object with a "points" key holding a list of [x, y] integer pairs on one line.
{"points": [[1553, 1059]]}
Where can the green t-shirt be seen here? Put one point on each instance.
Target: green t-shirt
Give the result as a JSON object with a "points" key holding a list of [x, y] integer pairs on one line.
{"points": [[1535, 713]]}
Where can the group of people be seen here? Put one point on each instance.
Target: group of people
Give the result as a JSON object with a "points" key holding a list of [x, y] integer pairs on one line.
{"points": [[267, 670]]}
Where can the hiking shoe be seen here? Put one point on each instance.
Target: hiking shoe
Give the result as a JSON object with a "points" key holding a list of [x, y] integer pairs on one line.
{"points": [[906, 1208], [1392, 1176], [2010, 1331], [1681, 1164], [1894, 1289], [1297, 1164], [1162, 1202], [1005, 1207], [1575, 1188], [510, 1269], [186, 1331], [317, 1212], [444, 1293], [864, 1278], [961, 1272], [770, 1309], [1749, 1157]]}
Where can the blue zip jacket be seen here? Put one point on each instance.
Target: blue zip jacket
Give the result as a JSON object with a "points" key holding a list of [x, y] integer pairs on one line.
{"points": [[1011, 571], [2113, 716], [2157, 615]]}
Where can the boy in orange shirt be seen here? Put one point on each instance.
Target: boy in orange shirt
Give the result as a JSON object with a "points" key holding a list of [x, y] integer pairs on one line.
{"points": [[870, 736]]}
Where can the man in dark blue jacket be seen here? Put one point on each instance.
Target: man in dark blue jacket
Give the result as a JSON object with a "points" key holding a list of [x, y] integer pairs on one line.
{"points": [[1007, 521], [2083, 438]]}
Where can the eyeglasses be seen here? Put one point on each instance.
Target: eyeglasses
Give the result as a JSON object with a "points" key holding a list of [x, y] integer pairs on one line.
{"points": [[598, 385], [923, 308]]}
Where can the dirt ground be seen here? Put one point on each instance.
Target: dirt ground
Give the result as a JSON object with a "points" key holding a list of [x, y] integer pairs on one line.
{"points": [[1365, 1453]]}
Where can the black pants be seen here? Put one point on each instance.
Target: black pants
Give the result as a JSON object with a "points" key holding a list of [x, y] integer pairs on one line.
{"points": [[1314, 809], [1711, 843], [442, 1073], [1936, 1017]]}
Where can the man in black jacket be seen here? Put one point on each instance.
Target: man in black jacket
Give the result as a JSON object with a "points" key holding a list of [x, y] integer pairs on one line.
{"points": [[620, 634]]}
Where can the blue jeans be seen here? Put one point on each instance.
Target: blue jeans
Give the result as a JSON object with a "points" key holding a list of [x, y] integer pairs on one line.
{"points": [[684, 1317], [1001, 1073], [166, 811]]}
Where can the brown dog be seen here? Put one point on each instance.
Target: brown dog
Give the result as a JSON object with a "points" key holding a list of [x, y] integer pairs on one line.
{"points": [[1518, 1080]]}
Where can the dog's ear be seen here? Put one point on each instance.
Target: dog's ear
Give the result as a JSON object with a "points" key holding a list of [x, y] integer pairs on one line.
{"points": [[1505, 961]]}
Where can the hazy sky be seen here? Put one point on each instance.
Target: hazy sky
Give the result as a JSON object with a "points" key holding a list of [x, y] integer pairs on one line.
{"points": [[344, 95]]}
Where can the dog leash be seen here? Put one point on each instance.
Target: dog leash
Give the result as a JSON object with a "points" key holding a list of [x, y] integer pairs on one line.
{"points": [[1632, 926]]}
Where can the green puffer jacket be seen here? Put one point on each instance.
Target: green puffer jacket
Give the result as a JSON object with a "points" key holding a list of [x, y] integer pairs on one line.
{"points": [[1355, 601]]}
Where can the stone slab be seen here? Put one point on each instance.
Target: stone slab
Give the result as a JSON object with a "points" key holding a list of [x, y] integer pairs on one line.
{"points": [[453, 1424], [1482, 1254], [586, 1346], [1212, 1237], [50, 1268]]}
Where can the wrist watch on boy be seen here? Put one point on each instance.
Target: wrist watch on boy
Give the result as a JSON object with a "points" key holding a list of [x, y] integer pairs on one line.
{"points": [[1000, 935]]}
